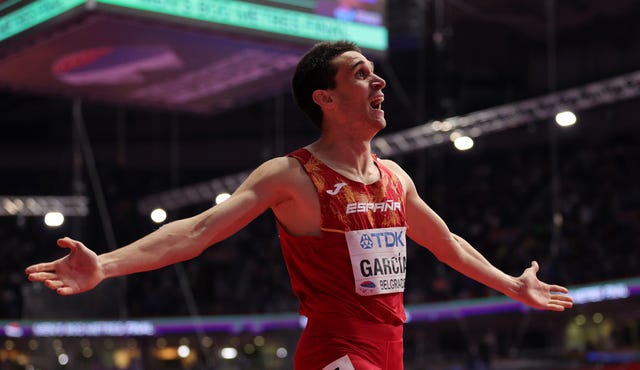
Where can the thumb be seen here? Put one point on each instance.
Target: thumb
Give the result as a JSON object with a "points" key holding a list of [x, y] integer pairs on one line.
{"points": [[68, 243], [535, 266]]}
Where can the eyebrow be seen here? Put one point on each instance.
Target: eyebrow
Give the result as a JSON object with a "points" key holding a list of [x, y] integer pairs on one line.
{"points": [[356, 64]]}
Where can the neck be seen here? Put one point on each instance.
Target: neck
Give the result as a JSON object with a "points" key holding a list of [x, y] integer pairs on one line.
{"points": [[351, 158]]}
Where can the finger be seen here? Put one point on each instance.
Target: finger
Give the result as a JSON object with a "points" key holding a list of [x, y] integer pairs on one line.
{"points": [[564, 304], [561, 297], [65, 290], [558, 289], [556, 307], [560, 301], [567, 304], [42, 276], [563, 300], [53, 284], [40, 267], [68, 243]]}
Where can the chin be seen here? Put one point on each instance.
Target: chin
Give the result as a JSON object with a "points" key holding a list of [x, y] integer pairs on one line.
{"points": [[379, 125]]}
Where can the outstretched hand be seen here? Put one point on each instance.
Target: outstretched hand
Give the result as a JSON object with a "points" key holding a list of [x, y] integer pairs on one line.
{"points": [[74, 273], [540, 295]]}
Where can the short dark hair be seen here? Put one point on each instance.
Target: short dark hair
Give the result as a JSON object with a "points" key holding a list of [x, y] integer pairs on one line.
{"points": [[316, 70]]}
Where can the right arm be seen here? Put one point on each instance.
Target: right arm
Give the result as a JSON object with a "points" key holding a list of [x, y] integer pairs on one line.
{"points": [[176, 241], [427, 229]]}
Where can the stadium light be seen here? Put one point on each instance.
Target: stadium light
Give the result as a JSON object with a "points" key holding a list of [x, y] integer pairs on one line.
{"points": [[282, 352], [463, 143], [158, 215], [222, 197], [228, 353], [184, 351], [566, 118], [53, 219]]}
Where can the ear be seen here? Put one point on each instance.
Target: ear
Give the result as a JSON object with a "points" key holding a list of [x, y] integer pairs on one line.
{"points": [[322, 97]]}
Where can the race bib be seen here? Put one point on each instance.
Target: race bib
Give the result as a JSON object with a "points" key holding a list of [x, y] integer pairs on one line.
{"points": [[378, 259], [343, 363]]}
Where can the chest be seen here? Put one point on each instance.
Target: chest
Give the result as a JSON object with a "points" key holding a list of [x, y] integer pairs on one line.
{"points": [[348, 205]]}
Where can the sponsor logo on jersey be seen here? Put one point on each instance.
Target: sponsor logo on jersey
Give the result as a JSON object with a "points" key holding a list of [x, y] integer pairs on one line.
{"points": [[382, 239], [336, 188], [362, 207]]}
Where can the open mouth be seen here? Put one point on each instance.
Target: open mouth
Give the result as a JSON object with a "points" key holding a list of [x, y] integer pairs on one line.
{"points": [[377, 103]]}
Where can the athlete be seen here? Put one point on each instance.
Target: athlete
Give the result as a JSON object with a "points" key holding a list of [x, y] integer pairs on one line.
{"points": [[343, 215]]}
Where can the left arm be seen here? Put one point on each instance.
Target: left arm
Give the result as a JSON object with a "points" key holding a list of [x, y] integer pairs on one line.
{"points": [[429, 230]]}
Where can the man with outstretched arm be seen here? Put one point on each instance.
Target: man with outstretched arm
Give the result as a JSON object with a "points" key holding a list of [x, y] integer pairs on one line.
{"points": [[343, 217]]}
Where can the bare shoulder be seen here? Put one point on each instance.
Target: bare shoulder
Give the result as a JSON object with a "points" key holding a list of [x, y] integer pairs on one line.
{"points": [[393, 166], [404, 177], [276, 180], [295, 201], [280, 170]]}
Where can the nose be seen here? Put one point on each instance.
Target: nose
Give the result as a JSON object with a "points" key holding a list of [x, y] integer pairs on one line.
{"points": [[378, 83]]}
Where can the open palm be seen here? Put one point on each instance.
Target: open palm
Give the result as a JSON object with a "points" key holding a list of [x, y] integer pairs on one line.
{"points": [[540, 295], [74, 273]]}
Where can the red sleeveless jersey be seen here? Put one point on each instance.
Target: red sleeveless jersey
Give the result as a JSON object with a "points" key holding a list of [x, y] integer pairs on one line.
{"points": [[356, 267]]}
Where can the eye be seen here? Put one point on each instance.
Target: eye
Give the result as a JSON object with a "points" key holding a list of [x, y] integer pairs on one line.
{"points": [[361, 74]]}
